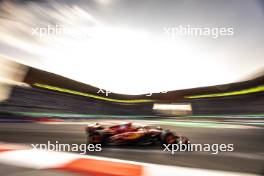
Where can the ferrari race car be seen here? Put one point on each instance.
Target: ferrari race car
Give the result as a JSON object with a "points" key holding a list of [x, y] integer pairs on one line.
{"points": [[131, 134]]}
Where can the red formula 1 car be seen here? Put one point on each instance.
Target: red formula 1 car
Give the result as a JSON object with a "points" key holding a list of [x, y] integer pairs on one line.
{"points": [[131, 134]]}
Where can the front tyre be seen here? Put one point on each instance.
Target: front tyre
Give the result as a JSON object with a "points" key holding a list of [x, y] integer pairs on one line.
{"points": [[183, 140], [95, 138]]}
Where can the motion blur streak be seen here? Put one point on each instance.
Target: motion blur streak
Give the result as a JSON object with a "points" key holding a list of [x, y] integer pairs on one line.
{"points": [[89, 95], [88, 165], [11, 73], [240, 92], [55, 56], [173, 107], [245, 156], [99, 41]]}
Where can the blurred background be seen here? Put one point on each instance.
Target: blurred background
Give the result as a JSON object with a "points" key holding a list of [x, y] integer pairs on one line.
{"points": [[66, 64]]}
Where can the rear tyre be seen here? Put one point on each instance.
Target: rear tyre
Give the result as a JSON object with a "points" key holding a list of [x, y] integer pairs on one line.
{"points": [[96, 138], [168, 137]]}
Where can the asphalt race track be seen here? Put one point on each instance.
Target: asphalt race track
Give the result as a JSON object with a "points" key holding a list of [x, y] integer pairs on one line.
{"points": [[248, 154]]}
